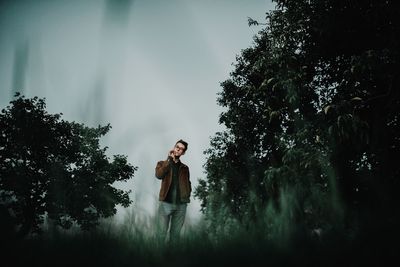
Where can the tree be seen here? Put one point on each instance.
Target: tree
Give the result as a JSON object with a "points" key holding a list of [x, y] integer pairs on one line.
{"points": [[312, 118], [49, 166]]}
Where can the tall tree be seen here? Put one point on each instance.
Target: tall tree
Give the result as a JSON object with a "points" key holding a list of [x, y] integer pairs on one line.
{"points": [[55, 167], [312, 118]]}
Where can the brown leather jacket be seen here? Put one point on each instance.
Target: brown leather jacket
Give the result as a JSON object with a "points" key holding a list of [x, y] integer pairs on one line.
{"points": [[164, 173]]}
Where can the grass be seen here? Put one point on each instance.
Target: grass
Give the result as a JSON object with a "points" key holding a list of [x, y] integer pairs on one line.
{"points": [[134, 243]]}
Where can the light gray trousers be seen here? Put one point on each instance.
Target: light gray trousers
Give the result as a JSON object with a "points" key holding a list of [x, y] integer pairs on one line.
{"points": [[171, 219]]}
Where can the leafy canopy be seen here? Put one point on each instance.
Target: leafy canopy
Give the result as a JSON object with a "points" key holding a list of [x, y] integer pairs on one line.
{"points": [[49, 166], [311, 111]]}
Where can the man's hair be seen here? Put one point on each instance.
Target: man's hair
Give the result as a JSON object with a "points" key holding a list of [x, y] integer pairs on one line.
{"points": [[183, 143]]}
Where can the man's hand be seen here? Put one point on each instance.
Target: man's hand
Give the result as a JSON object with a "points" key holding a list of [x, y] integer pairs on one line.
{"points": [[171, 154]]}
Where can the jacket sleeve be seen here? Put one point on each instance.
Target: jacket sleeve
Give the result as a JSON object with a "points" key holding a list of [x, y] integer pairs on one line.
{"points": [[162, 169], [190, 183]]}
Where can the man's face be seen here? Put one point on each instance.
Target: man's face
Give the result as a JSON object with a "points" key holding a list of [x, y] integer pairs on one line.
{"points": [[179, 150]]}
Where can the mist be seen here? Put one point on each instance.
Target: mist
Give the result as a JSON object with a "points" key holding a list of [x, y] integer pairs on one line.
{"points": [[151, 69]]}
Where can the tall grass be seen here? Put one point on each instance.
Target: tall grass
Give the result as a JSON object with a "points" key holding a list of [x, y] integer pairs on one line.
{"points": [[134, 242]]}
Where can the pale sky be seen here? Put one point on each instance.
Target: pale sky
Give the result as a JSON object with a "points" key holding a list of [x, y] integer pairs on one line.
{"points": [[150, 68]]}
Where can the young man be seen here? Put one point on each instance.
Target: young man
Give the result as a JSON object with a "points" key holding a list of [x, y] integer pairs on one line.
{"points": [[174, 193]]}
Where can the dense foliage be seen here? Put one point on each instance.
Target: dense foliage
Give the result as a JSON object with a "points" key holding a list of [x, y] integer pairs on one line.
{"points": [[53, 168], [313, 133]]}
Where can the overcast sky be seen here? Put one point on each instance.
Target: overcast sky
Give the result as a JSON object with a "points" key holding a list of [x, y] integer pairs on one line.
{"points": [[150, 68]]}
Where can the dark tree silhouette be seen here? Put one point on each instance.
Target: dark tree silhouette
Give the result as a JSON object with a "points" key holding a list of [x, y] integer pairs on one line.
{"points": [[49, 166], [312, 118]]}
